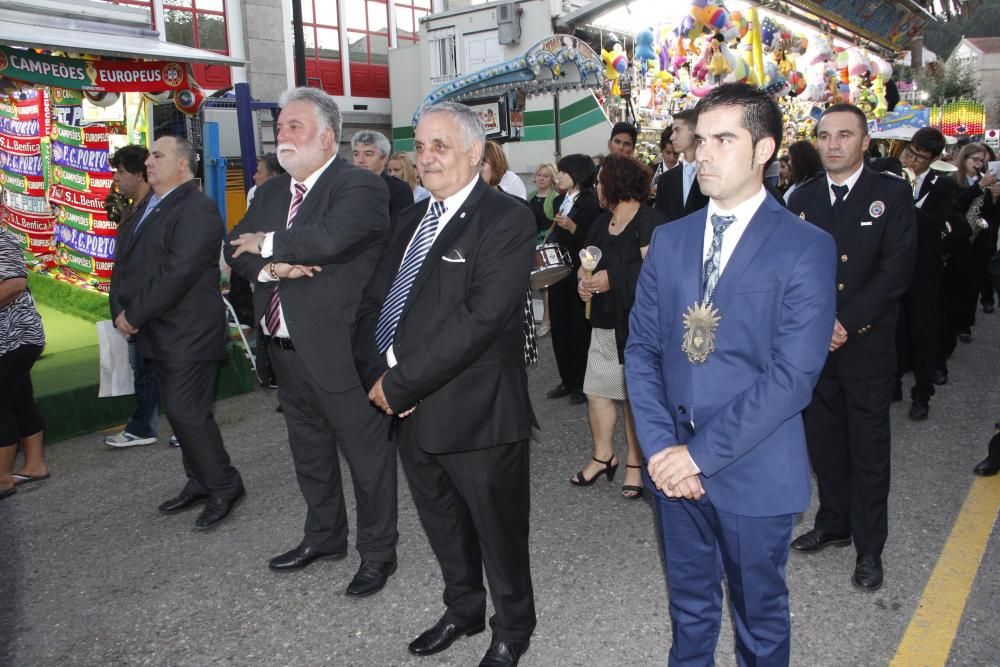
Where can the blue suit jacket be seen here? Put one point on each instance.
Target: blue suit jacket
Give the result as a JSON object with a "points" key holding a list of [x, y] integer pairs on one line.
{"points": [[740, 411]]}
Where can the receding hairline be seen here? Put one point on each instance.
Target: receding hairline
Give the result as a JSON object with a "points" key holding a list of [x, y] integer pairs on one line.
{"points": [[862, 127]]}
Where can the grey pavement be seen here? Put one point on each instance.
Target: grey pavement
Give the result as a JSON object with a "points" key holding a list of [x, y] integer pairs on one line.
{"points": [[92, 574]]}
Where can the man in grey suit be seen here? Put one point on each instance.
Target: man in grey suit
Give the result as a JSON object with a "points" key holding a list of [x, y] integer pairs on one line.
{"points": [[310, 243]]}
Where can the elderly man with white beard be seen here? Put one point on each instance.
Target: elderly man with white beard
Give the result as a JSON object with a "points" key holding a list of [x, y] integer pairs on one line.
{"points": [[310, 244]]}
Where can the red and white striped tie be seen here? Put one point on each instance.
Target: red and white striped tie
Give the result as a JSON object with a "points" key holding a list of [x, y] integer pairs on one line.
{"points": [[272, 316]]}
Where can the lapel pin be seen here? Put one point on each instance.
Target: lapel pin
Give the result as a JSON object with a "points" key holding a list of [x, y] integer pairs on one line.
{"points": [[876, 209], [462, 214], [802, 215]]}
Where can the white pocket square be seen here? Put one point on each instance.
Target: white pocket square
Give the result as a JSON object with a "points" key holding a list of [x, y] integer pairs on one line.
{"points": [[455, 260]]}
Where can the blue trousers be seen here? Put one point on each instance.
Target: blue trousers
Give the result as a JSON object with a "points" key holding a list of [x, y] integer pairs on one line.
{"points": [[701, 544], [144, 419]]}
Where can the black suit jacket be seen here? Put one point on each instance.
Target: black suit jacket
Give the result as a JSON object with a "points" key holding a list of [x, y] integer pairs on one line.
{"points": [[459, 342], [400, 196], [935, 205], [166, 278], [585, 210], [670, 195], [876, 247], [341, 226]]}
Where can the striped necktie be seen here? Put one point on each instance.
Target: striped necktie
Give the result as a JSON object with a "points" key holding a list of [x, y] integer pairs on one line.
{"points": [[713, 265], [392, 309], [272, 316]]}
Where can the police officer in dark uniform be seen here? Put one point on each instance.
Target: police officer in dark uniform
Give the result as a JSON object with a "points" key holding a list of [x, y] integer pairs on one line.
{"points": [[870, 215], [916, 334]]}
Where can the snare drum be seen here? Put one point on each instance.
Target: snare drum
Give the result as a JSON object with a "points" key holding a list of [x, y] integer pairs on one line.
{"points": [[552, 264]]}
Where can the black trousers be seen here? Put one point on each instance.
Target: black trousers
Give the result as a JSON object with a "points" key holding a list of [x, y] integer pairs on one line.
{"points": [[19, 415], [957, 302], [983, 248], [570, 332], [474, 507], [187, 392], [319, 425], [916, 335], [847, 432]]}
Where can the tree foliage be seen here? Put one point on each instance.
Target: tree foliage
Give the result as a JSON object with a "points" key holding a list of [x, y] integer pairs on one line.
{"points": [[947, 82], [943, 36]]}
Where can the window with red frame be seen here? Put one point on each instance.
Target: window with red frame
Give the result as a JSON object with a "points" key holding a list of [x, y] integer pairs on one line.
{"points": [[367, 30], [408, 15], [200, 24], [322, 44]]}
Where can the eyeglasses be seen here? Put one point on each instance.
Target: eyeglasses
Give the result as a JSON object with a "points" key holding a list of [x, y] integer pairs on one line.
{"points": [[923, 157]]}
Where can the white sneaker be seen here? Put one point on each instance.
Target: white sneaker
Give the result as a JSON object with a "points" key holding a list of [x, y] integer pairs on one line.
{"points": [[174, 442], [126, 439]]}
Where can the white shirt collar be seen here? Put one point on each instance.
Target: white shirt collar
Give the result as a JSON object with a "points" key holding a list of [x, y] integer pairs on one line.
{"points": [[850, 183], [454, 202], [313, 177], [743, 212]]}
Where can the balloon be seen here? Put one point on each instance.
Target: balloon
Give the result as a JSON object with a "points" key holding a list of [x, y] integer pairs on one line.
{"points": [[740, 22], [610, 72], [159, 98], [189, 101], [797, 82]]}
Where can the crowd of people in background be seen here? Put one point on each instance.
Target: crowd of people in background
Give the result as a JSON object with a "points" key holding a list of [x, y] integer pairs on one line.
{"points": [[391, 315]]}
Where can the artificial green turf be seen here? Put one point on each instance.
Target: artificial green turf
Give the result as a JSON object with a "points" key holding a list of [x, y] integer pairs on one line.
{"points": [[64, 332]]}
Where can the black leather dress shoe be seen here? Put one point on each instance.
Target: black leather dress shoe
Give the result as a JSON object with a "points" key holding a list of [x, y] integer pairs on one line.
{"points": [[577, 397], [182, 502], [920, 410], [868, 573], [986, 468], [558, 391], [300, 556], [216, 510], [940, 378], [371, 578], [816, 540], [443, 635], [988, 308], [965, 337], [503, 653]]}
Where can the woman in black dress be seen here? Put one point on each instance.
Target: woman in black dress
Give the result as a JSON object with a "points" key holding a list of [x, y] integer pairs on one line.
{"points": [[622, 234]]}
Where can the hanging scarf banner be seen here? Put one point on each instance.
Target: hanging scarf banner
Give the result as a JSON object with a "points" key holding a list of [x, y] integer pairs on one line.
{"points": [[82, 180], [33, 231], [110, 76], [26, 185], [84, 159], [26, 203], [19, 145], [82, 263], [19, 110], [91, 223], [26, 165], [94, 136], [81, 201], [19, 128], [63, 97], [98, 247]]}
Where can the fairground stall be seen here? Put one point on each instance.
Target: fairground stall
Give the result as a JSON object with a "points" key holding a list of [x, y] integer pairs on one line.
{"points": [[74, 86]]}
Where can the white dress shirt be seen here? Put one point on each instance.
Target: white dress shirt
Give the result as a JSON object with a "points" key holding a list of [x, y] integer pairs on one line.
{"points": [[744, 213], [512, 184], [451, 206], [850, 183], [267, 247]]}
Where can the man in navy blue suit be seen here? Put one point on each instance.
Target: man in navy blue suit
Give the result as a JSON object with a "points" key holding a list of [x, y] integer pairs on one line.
{"points": [[729, 332]]}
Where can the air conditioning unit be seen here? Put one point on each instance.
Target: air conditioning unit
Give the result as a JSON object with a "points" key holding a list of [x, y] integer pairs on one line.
{"points": [[508, 23]]}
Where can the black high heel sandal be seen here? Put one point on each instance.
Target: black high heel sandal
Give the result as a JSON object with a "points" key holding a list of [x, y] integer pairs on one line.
{"points": [[630, 491], [609, 470]]}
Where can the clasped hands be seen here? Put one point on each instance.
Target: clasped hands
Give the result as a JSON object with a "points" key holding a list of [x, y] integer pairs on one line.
{"points": [[377, 396], [674, 472], [250, 243]]}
